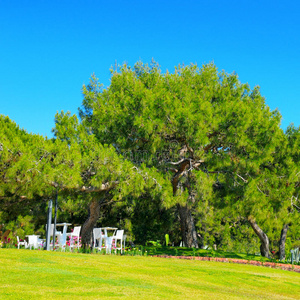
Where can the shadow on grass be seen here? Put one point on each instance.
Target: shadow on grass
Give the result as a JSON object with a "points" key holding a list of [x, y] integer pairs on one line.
{"points": [[183, 251]]}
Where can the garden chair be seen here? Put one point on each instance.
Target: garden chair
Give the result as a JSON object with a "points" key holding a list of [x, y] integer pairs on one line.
{"points": [[51, 230], [33, 242], [75, 235], [24, 243], [62, 238], [116, 238], [99, 238], [57, 234]]}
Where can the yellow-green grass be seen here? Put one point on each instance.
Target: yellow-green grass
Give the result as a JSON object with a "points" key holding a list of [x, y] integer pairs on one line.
{"points": [[26, 274]]}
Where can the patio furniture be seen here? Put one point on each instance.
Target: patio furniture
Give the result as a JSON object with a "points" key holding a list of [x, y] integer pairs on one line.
{"points": [[108, 238], [34, 241], [62, 237], [99, 238], [24, 243], [57, 233], [51, 230], [75, 235], [116, 238]]}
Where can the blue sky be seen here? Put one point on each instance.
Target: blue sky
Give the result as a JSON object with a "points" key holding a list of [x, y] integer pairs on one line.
{"points": [[49, 49]]}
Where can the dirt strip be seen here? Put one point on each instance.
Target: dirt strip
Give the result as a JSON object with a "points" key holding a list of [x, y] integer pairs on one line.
{"points": [[287, 267]]}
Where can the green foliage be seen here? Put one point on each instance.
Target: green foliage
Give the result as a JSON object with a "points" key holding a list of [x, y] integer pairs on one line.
{"points": [[32, 167], [167, 239], [154, 243], [225, 130], [196, 137], [288, 248], [296, 244], [22, 226], [150, 219]]}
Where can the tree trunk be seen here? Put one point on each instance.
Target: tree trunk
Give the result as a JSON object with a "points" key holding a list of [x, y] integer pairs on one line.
{"points": [[89, 224], [264, 240], [282, 241], [188, 231]]}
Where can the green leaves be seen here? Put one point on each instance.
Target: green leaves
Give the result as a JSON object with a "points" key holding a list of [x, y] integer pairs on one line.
{"points": [[75, 161], [195, 137], [195, 120], [210, 116]]}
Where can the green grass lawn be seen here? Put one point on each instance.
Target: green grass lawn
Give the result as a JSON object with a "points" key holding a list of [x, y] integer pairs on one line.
{"points": [[26, 274]]}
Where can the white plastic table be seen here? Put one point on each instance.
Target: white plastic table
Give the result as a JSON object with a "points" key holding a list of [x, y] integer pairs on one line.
{"points": [[63, 237], [108, 239]]}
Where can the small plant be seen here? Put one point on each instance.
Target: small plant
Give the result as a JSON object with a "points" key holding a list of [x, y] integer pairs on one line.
{"points": [[102, 252], [8, 243], [153, 243], [167, 239], [86, 250], [295, 256], [142, 250], [67, 248], [288, 248]]}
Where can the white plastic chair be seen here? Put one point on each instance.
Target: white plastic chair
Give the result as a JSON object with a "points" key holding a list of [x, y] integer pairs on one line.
{"points": [[51, 230], [33, 242], [62, 238], [99, 237], [116, 238], [57, 234], [24, 243], [75, 234]]}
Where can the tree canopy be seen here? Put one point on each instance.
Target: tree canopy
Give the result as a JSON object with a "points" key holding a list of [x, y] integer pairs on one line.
{"points": [[197, 140], [201, 128], [32, 166]]}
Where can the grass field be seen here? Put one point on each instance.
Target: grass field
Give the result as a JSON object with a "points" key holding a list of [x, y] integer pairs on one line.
{"points": [[26, 274]]}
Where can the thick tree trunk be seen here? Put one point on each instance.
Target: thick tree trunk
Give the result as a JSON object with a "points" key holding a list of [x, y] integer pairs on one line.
{"points": [[188, 231], [89, 224], [264, 240], [282, 241]]}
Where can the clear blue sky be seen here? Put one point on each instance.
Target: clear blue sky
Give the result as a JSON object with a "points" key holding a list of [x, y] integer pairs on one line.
{"points": [[49, 49]]}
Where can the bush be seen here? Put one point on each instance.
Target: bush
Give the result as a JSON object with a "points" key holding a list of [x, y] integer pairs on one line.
{"points": [[21, 227], [296, 244]]}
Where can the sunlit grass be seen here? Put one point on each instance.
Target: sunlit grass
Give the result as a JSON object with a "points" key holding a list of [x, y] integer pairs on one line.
{"points": [[32, 274]]}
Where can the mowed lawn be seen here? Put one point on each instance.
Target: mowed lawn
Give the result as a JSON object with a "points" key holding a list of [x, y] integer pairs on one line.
{"points": [[26, 274]]}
